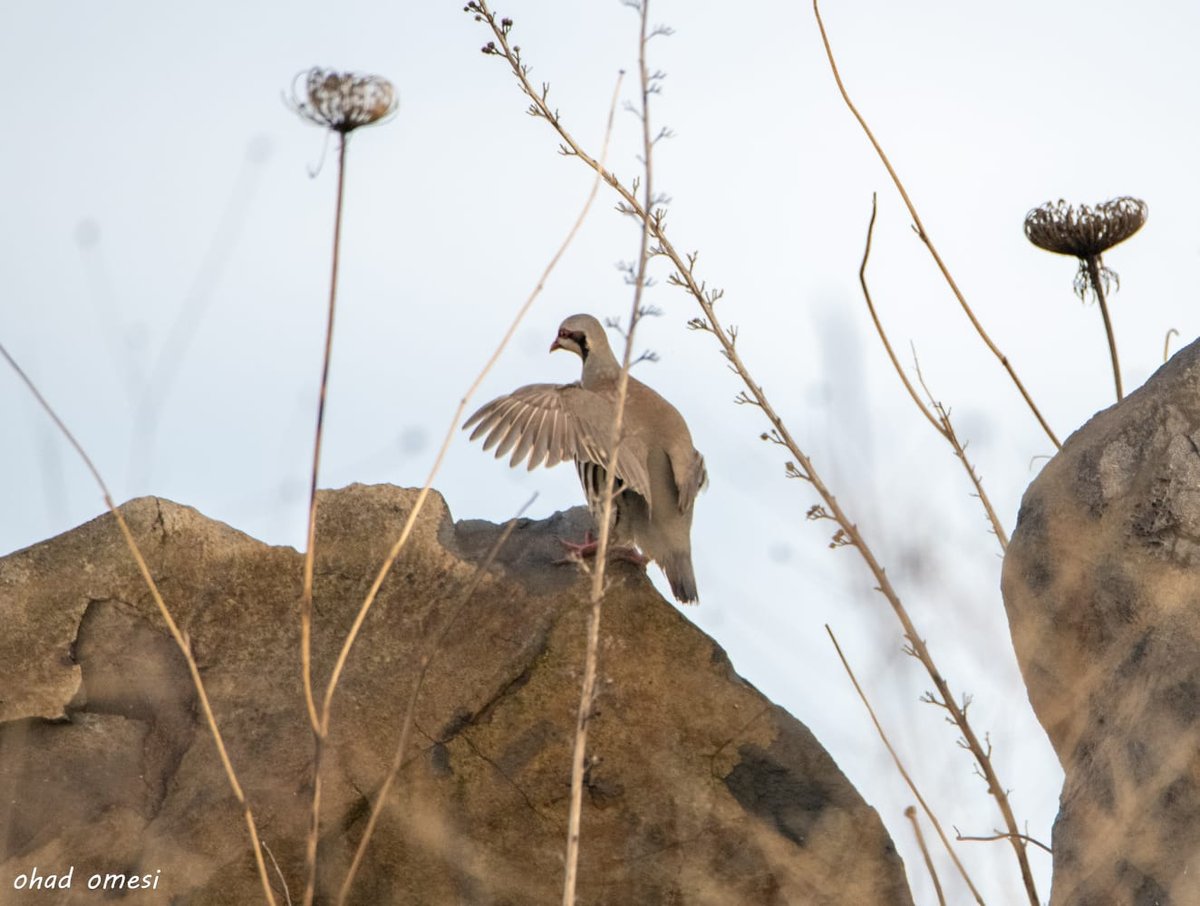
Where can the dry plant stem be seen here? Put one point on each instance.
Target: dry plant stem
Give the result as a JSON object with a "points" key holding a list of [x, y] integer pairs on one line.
{"points": [[592, 654], [287, 894], [705, 298], [423, 495], [911, 814], [402, 540], [937, 825], [941, 421], [410, 711], [960, 450], [994, 837], [920, 227], [306, 604], [1096, 278], [1167, 344], [172, 627]]}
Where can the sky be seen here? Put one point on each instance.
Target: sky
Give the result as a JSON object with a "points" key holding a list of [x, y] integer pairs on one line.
{"points": [[167, 268]]}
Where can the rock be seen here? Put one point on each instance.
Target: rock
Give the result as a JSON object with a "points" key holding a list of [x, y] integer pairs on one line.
{"points": [[699, 790], [1102, 587]]}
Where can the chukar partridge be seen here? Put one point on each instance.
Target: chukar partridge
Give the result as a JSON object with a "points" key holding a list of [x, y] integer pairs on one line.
{"points": [[659, 472]]}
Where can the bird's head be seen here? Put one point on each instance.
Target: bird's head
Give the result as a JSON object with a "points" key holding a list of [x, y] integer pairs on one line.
{"points": [[579, 334]]}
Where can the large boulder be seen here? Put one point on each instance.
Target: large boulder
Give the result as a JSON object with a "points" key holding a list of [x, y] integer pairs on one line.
{"points": [[699, 790], [1102, 586]]}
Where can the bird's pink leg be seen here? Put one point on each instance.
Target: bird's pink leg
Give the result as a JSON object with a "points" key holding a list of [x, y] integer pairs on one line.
{"points": [[577, 551]]}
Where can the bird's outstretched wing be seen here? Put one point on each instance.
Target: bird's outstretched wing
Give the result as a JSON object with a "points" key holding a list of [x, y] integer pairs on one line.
{"points": [[550, 423]]}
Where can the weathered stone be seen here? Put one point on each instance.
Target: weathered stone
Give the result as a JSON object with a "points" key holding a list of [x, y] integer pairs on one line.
{"points": [[699, 789], [1102, 587]]}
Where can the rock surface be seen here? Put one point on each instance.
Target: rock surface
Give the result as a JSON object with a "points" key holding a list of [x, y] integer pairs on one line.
{"points": [[700, 791], [1102, 586]]}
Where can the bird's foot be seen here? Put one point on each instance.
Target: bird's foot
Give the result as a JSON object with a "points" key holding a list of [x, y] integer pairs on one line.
{"points": [[576, 552], [629, 553]]}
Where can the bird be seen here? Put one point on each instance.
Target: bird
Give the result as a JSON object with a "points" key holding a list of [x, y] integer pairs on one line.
{"points": [[659, 473]]}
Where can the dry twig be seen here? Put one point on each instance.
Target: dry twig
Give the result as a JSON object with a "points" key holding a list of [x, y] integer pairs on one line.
{"points": [[410, 710], [924, 236], [587, 692], [848, 533], [939, 416], [937, 825], [911, 814], [406, 530], [340, 102], [177, 635]]}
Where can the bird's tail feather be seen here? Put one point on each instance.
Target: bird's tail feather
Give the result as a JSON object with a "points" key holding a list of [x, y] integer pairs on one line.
{"points": [[678, 567]]}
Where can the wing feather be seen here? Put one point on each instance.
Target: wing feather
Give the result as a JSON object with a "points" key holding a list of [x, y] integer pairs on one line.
{"points": [[549, 423]]}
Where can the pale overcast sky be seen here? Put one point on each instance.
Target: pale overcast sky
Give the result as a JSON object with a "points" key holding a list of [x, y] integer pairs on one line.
{"points": [[167, 257]]}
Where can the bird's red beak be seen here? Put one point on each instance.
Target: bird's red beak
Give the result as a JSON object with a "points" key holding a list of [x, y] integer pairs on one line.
{"points": [[556, 345]]}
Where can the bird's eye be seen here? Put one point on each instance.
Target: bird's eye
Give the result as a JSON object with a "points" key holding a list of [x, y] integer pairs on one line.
{"points": [[564, 333]]}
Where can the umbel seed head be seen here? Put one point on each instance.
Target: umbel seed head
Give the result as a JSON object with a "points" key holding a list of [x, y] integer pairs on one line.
{"points": [[1084, 231], [342, 101]]}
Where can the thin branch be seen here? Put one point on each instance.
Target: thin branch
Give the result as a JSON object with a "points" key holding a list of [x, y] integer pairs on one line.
{"points": [[802, 467], [1167, 344], [592, 655], [920, 227], [939, 416], [180, 638], [993, 837], [278, 873], [960, 450], [911, 814], [937, 826], [1096, 278], [862, 279], [426, 661], [306, 600], [406, 531]]}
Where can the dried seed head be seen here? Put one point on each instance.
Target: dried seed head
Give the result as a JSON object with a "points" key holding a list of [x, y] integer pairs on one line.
{"points": [[343, 101], [1084, 231]]}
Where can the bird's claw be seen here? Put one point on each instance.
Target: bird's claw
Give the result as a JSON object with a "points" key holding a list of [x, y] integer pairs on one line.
{"points": [[578, 552]]}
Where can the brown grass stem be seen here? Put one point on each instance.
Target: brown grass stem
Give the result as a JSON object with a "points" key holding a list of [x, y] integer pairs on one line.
{"points": [[306, 601], [887, 345], [427, 658], [935, 413], [848, 533], [911, 814], [937, 825], [406, 530], [924, 235], [960, 451], [180, 638], [1167, 344], [994, 837], [587, 692], [1096, 278]]}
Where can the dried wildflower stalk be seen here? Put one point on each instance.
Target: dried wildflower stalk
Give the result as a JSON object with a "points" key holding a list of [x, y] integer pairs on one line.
{"points": [[340, 102], [180, 637], [848, 533], [937, 825], [647, 84], [343, 101], [911, 814], [939, 415], [1086, 232], [424, 662], [928, 242], [423, 495]]}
